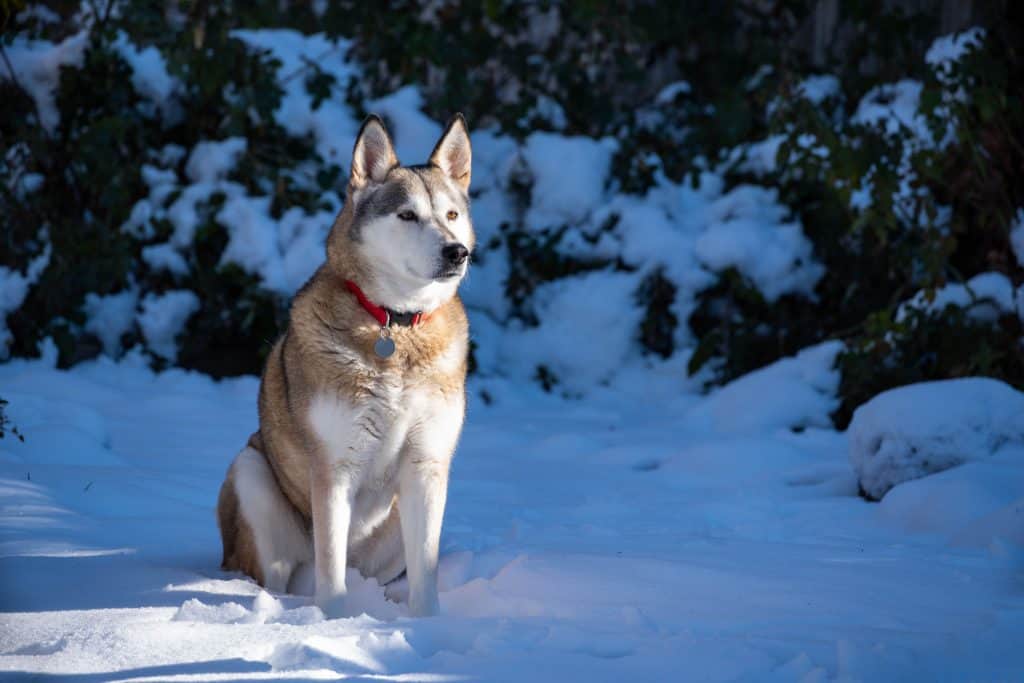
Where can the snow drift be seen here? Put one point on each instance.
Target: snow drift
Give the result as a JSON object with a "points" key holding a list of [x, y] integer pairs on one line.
{"points": [[916, 430]]}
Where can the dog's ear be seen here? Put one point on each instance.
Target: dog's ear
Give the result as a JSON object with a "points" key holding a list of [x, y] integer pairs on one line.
{"points": [[453, 154], [373, 155]]}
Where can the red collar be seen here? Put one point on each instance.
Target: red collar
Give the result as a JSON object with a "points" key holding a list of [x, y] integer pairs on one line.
{"points": [[386, 317]]}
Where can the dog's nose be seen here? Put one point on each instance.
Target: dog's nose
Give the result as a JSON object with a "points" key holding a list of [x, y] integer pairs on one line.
{"points": [[455, 253]]}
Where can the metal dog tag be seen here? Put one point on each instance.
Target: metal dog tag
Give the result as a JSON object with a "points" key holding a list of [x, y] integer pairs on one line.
{"points": [[384, 347]]}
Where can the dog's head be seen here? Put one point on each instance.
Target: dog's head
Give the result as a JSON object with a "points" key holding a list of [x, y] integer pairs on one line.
{"points": [[409, 227]]}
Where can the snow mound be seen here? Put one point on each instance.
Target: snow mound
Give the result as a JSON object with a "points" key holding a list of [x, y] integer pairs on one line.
{"points": [[978, 504], [56, 432], [750, 404], [916, 430]]}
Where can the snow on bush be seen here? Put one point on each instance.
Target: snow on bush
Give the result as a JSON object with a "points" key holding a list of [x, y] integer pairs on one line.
{"points": [[150, 77], [945, 51], [413, 132], [585, 332], [692, 234], [819, 87], [747, 230], [711, 240], [13, 289], [916, 430], [163, 317], [36, 66], [986, 296], [331, 121], [111, 316], [213, 160], [568, 176], [1017, 236]]}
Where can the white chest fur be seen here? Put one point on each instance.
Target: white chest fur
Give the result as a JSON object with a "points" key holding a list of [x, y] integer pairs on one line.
{"points": [[368, 441]]}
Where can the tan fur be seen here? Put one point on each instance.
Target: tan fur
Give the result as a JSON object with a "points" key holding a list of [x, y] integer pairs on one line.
{"points": [[328, 329], [239, 546]]}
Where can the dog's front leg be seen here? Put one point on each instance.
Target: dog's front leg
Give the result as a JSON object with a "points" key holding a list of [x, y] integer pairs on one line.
{"points": [[423, 489], [332, 515]]}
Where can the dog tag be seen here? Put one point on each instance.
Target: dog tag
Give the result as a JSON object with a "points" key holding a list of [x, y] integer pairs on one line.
{"points": [[384, 347]]}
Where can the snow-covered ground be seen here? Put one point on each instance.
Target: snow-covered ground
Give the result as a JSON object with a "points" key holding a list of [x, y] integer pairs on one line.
{"points": [[644, 533]]}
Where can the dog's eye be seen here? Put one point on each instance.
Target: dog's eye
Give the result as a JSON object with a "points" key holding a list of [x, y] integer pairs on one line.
{"points": [[407, 216], [452, 215]]}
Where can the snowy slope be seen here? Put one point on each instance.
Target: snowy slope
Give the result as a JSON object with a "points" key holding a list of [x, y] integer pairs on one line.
{"points": [[638, 535]]}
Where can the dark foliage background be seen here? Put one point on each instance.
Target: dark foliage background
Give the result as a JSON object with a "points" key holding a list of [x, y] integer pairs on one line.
{"points": [[489, 60]]}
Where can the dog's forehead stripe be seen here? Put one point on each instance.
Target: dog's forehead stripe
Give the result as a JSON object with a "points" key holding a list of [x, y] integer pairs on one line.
{"points": [[387, 199], [433, 188], [401, 188]]}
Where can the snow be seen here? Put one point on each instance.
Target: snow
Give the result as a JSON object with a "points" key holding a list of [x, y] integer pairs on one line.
{"points": [[213, 160], [569, 175], [331, 123], [977, 504], [912, 431], [945, 51], [586, 331], [748, 230], [987, 296], [1017, 236], [893, 108], [14, 287], [150, 77], [111, 316], [818, 88], [37, 64], [413, 133], [667, 95], [809, 382], [761, 158], [689, 234], [622, 527], [165, 257], [163, 317], [621, 537]]}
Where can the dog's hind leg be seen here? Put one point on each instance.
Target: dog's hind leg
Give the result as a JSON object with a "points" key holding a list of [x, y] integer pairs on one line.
{"points": [[263, 534], [382, 555]]}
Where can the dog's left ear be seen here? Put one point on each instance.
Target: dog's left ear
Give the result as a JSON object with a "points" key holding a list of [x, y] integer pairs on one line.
{"points": [[453, 154]]}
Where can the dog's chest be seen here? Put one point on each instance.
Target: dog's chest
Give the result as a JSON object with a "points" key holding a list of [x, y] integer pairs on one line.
{"points": [[365, 434]]}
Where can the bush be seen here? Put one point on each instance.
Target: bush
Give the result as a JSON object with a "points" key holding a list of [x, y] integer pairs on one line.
{"points": [[880, 178]]}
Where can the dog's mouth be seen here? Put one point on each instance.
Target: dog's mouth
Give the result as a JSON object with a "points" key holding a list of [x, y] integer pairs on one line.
{"points": [[450, 272]]}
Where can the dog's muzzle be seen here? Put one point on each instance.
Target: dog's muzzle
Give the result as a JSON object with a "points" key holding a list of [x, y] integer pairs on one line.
{"points": [[454, 254]]}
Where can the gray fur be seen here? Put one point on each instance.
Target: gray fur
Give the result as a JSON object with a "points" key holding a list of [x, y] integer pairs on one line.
{"points": [[400, 184]]}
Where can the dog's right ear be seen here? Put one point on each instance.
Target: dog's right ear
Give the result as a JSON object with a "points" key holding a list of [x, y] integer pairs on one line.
{"points": [[373, 155]]}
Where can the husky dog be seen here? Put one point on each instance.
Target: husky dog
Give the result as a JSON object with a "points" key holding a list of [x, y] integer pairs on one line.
{"points": [[362, 400]]}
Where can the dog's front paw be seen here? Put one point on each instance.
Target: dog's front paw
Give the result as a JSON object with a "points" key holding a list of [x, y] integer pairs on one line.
{"points": [[332, 605], [425, 606]]}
